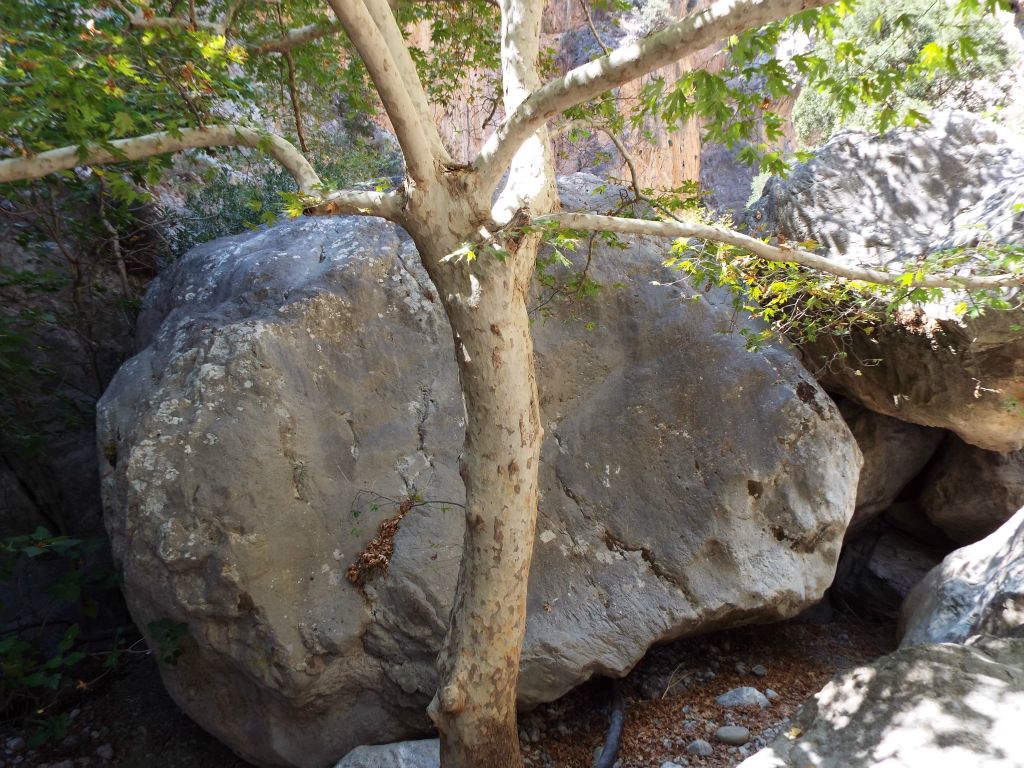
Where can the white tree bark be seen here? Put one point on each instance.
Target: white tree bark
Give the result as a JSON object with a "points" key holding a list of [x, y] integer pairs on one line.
{"points": [[478, 668]]}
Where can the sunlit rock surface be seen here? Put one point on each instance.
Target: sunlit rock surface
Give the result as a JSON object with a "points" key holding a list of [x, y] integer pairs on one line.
{"points": [[975, 590], [931, 706]]}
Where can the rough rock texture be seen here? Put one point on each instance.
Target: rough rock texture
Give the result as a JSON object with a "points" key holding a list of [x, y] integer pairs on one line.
{"points": [[298, 383], [885, 201], [930, 706], [404, 754], [976, 590], [878, 569], [894, 453], [969, 492]]}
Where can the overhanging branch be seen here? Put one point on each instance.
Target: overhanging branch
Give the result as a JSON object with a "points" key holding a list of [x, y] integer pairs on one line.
{"points": [[781, 253], [141, 147]]}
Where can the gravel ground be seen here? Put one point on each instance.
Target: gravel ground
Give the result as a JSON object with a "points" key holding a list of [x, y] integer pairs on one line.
{"points": [[130, 722]]}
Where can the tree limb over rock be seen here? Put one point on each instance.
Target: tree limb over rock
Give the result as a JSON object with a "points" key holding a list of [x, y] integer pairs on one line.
{"points": [[781, 253]]}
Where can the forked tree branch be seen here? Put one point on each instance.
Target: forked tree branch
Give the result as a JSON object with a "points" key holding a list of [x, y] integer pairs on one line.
{"points": [[373, 48], [781, 253], [696, 31]]}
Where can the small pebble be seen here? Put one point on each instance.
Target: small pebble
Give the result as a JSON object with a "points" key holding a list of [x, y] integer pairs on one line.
{"points": [[666, 743], [735, 735], [741, 668], [15, 744], [742, 697], [670, 764], [770, 694], [759, 670], [105, 752], [700, 748]]}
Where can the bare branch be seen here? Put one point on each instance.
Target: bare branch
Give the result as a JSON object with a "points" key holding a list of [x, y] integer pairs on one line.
{"points": [[780, 253], [406, 119], [140, 147], [699, 30], [593, 29], [293, 38]]}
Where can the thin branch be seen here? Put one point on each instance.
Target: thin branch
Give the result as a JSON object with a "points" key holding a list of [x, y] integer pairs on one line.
{"points": [[229, 15], [373, 49], [780, 253], [694, 32], [593, 29]]}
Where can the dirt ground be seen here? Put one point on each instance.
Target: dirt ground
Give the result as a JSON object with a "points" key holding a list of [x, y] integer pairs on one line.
{"points": [[130, 722]]}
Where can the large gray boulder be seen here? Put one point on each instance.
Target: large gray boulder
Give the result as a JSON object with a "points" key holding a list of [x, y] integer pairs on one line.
{"points": [[969, 492], [298, 384], [975, 590], [931, 706], [886, 202]]}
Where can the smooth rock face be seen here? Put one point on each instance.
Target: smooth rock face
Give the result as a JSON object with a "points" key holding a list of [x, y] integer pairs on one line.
{"points": [[894, 453], [735, 735], [931, 706], [884, 201], [297, 383], [405, 754], [976, 590], [969, 493]]}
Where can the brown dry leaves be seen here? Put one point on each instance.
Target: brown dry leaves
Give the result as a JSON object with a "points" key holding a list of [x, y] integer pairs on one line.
{"points": [[376, 556]]}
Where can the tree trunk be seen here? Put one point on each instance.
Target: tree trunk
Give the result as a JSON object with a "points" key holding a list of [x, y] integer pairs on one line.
{"points": [[475, 705], [485, 298]]}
